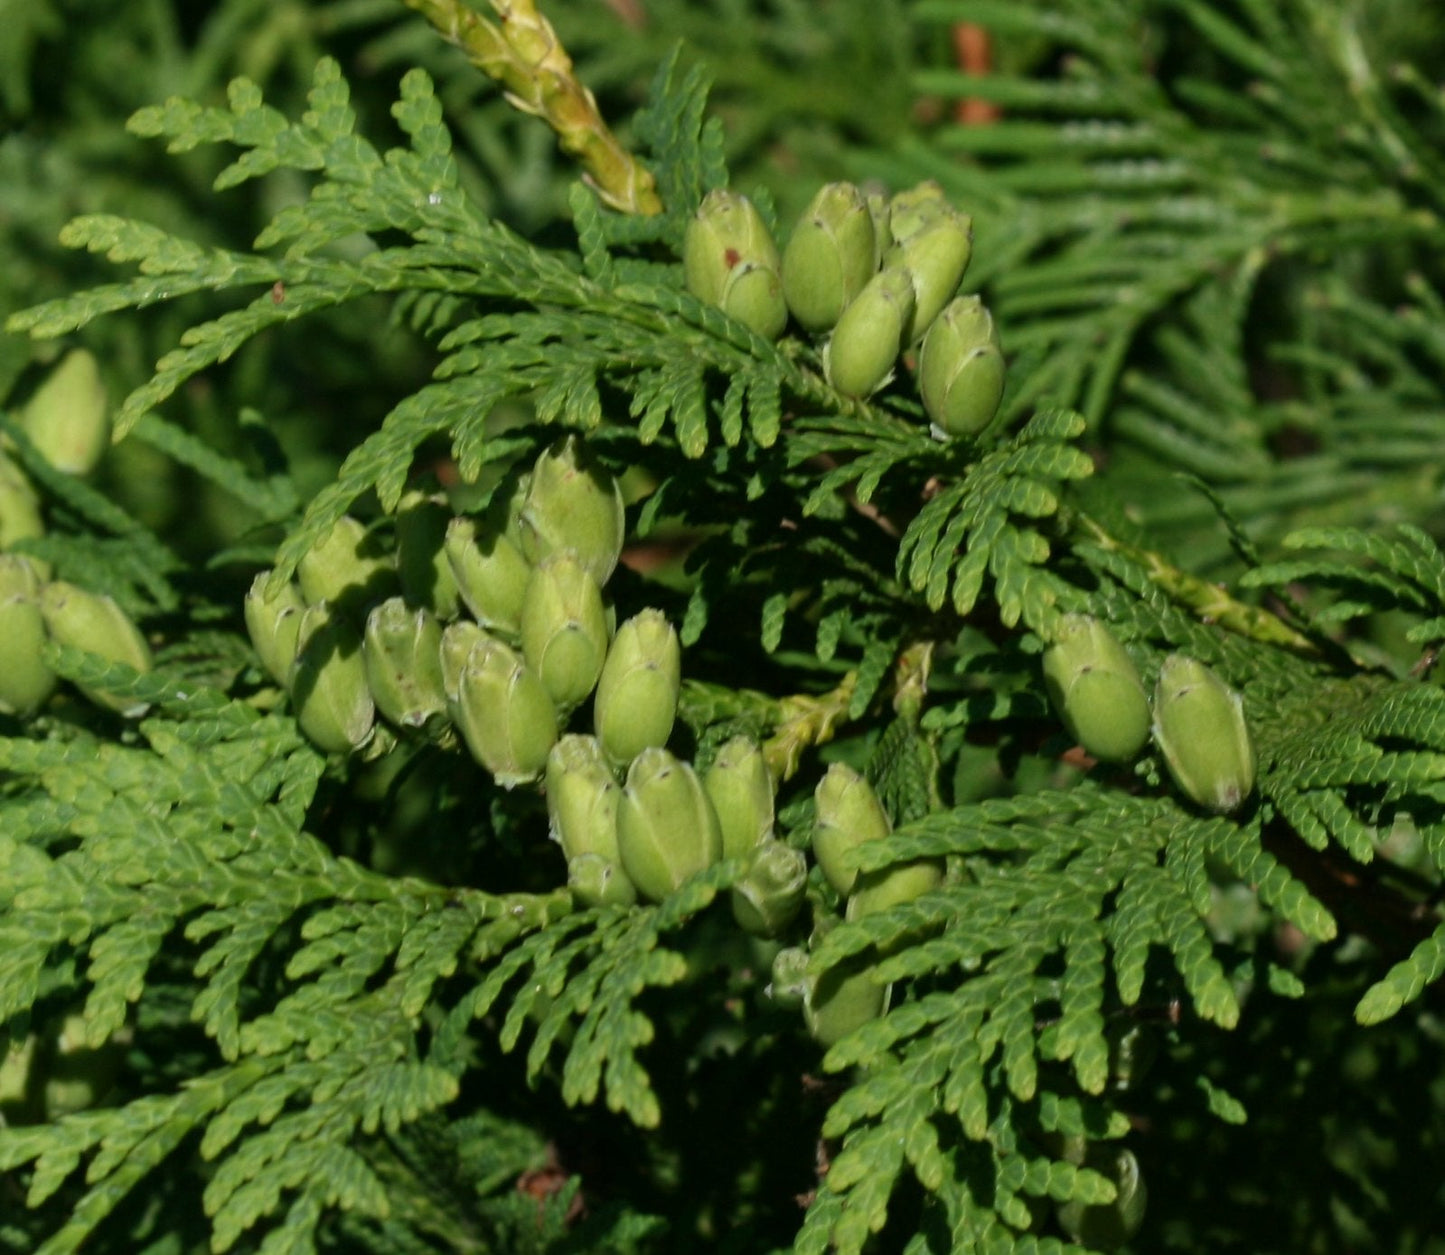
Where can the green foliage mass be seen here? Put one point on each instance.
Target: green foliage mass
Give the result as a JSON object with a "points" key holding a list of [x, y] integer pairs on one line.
{"points": [[253, 997]]}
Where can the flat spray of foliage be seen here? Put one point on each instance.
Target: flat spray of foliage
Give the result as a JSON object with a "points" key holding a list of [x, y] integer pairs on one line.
{"points": [[324, 1053]]}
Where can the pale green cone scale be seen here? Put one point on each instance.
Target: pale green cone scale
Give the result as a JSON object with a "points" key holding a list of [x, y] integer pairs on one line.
{"points": [[490, 571], [859, 358], [769, 897], [741, 790], [328, 686], [753, 294], [402, 650], [593, 881], [504, 714], [831, 254], [94, 622], [25, 679], [19, 506], [564, 629], [914, 208], [572, 506], [636, 701], [274, 624], [68, 417], [667, 830], [1200, 729], [841, 1001], [426, 574], [582, 798], [936, 256], [347, 568], [848, 813], [1096, 689], [961, 369], [458, 641], [891, 886]]}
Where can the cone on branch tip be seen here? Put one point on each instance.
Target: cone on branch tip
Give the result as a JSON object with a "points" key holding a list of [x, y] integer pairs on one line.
{"points": [[327, 681]]}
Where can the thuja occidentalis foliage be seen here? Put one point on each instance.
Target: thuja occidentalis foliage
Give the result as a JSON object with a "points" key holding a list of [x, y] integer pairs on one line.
{"points": [[728, 760]]}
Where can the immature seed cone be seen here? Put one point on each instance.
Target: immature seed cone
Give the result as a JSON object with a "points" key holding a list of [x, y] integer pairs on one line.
{"points": [[504, 714], [333, 704], [1096, 689], [593, 881], [936, 256], [729, 260], [961, 369], [94, 622], [769, 897], [842, 1000], [68, 417], [573, 506], [19, 507], [788, 979], [858, 359], [564, 629], [741, 790], [667, 830], [348, 569], [427, 578], [490, 572], [25, 680], [1107, 1226], [637, 693], [273, 624], [848, 813], [1200, 729], [582, 798], [891, 886], [831, 254], [402, 649]]}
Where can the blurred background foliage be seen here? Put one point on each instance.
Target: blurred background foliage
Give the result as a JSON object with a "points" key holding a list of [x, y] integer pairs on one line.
{"points": [[1213, 227]]}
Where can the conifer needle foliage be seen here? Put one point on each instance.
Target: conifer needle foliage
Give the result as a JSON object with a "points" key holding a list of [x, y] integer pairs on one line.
{"points": [[350, 1002]]}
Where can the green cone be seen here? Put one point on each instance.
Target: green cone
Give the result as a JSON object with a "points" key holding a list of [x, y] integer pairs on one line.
{"points": [[347, 568], [328, 683], [1200, 729], [882, 231], [427, 578], [848, 813], [573, 505], [741, 790], [19, 507], [911, 210], [273, 624], [504, 714], [831, 254], [490, 572], [637, 693], [25, 680], [891, 886], [582, 798], [593, 881], [667, 830], [769, 897], [1096, 689], [842, 1000], [858, 359], [729, 260], [564, 629], [1108, 1226], [961, 369], [458, 641], [402, 649], [68, 417], [936, 256], [788, 979], [94, 622]]}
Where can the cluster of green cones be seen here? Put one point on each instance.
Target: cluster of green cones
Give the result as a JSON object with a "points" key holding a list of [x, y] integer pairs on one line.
{"points": [[874, 280]]}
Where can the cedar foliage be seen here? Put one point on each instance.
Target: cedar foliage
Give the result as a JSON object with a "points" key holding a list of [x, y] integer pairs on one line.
{"points": [[350, 1005]]}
